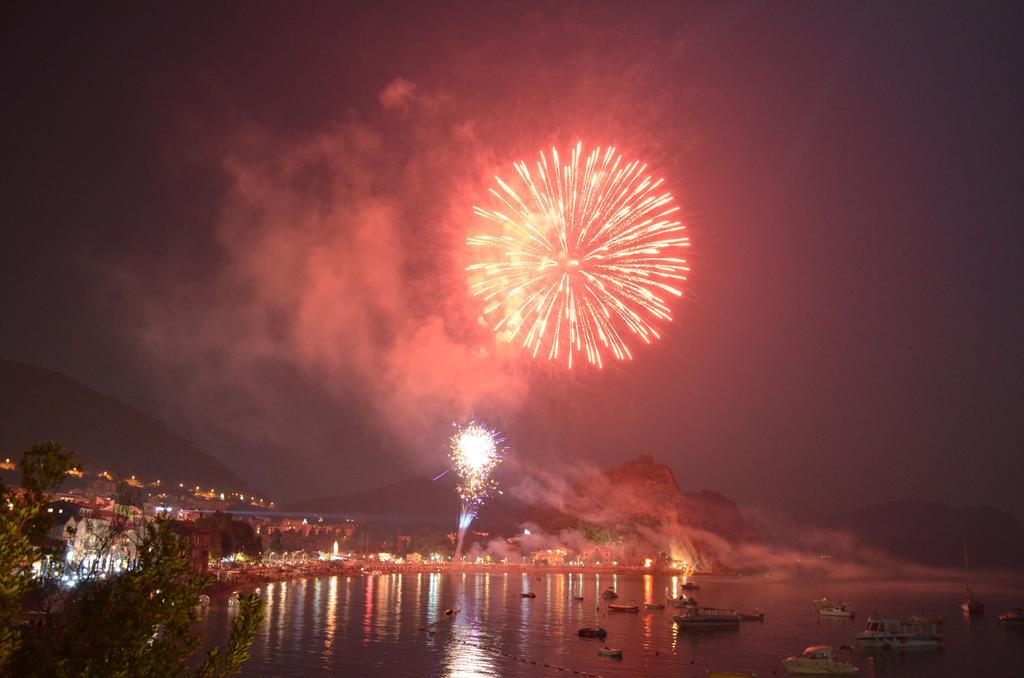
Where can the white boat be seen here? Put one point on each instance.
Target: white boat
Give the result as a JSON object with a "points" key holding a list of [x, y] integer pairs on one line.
{"points": [[893, 634], [202, 603], [707, 618], [613, 652], [1014, 616], [833, 608], [818, 660]]}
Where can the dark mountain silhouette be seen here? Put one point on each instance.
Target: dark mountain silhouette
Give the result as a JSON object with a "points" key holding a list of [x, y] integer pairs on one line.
{"points": [[932, 533], [416, 501], [639, 493], [38, 405]]}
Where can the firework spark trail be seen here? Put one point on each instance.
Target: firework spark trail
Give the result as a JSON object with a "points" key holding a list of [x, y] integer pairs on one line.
{"points": [[475, 451], [585, 255]]}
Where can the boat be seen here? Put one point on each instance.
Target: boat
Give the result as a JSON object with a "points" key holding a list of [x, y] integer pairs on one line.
{"points": [[202, 603], [927, 617], [592, 632], [972, 605], [689, 586], [707, 618], [609, 593], [683, 602], [613, 652], [528, 594], [1014, 616], [577, 597], [893, 634], [730, 674], [755, 615], [654, 606], [623, 608], [451, 612], [818, 660], [833, 608]]}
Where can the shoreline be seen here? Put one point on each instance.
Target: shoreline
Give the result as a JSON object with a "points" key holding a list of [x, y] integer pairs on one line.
{"points": [[232, 580]]}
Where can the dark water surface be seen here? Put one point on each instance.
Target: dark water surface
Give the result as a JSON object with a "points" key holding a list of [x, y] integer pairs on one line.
{"points": [[371, 626]]}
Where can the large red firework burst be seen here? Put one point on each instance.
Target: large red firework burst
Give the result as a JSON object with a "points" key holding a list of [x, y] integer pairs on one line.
{"points": [[586, 254]]}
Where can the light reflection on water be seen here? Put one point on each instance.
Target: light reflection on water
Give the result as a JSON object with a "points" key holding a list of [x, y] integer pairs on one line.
{"points": [[330, 619], [375, 625]]}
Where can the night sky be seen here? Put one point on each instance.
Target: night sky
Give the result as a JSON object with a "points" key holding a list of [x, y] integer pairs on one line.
{"points": [[248, 219]]}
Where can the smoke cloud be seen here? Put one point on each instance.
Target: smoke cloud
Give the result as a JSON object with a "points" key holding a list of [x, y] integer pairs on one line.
{"points": [[698, 527], [337, 283]]}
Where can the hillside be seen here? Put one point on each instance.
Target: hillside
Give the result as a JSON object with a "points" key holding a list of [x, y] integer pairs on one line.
{"points": [[417, 501], [637, 504], [645, 493], [106, 434], [931, 533]]}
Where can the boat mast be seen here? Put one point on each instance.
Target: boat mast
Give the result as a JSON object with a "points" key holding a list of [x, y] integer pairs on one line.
{"points": [[967, 566]]}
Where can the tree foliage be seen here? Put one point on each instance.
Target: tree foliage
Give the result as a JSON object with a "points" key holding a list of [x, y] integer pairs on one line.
{"points": [[230, 536], [140, 623]]}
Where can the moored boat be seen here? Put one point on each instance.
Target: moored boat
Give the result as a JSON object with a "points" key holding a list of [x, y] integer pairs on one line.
{"points": [[623, 608], [609, 593], [613, 652], [654, 606], [689, 586], [893, 634], [683, 601], [528, 594], [592, 632], [754, 615], [818, 660], [972, 605], [833, 608], [707, 618], [927, 617], [1014, 616]]}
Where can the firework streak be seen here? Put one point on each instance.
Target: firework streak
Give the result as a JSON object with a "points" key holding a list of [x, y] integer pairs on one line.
{"points": [[475, 451]]}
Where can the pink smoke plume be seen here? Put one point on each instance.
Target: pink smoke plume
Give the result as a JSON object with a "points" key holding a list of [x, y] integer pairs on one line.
{"points": [[338, 259]]}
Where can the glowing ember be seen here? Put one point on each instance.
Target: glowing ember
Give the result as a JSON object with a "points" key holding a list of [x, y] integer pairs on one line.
{"points": [[587, 252], [474, 454]]}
